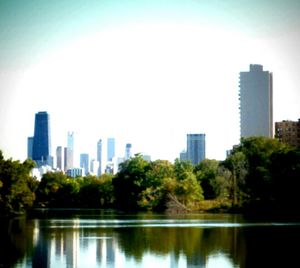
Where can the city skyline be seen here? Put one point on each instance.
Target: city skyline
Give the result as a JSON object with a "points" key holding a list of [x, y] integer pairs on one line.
{"points": [[145, 73]]}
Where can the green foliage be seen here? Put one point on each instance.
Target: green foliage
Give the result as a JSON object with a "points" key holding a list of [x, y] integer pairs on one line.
{"points": [[16, 186], [130, 181], [155, 195], [265, 174], [261, 173], [96, 192], [206, 172]]}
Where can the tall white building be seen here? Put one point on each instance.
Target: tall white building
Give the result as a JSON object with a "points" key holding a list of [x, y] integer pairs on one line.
{"points": [[69, 152], [256, 102], [195, 148]]}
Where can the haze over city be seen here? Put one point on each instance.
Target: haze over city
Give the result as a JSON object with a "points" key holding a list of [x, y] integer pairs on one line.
{"points": [[143, 72]]}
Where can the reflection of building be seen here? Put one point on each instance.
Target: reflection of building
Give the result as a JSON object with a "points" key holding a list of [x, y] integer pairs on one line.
{"points": [[195, 148], [106, 252], [41, 147], [196, 260], [72, 246], [256, 102], [288, 132]]}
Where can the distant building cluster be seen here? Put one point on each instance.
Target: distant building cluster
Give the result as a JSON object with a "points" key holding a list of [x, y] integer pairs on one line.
{"points": [[256, 119], [39, 150]]}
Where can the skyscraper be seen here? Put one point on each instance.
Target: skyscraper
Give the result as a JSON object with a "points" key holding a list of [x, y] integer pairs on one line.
{"points": [[128, 151], [256, 102], [59, 158], [65, 159], [195, 148], [29, 147], [69, 151], [110, 149], [99, 157], [41, 147], [84, 163]]}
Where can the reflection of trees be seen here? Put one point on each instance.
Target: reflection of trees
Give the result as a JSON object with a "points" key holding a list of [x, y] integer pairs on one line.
{"points": [[15, 240], [197, 244], [259, 246]]}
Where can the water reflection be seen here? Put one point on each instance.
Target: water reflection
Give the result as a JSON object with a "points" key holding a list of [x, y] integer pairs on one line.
{"points": [[146, 241]]}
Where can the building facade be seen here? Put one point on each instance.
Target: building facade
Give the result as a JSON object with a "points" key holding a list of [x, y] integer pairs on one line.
{"points": [[41, 147], [99, 157], [84, 163], [59, 158], [195, 148], [128, 151], [110, 149], [256, 102], [69, 152], [29, 147], [288, 132]]}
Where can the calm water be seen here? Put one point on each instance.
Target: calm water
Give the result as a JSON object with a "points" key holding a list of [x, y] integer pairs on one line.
{"points": [[96, 238]]}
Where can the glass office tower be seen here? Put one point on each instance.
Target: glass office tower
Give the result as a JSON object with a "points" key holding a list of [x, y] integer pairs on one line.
{"points": [[41, 148]]}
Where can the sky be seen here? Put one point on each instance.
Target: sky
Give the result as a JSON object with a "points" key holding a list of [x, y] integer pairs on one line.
{"points": [[143, 72]]}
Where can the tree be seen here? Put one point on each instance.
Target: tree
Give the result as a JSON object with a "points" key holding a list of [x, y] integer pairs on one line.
{"points": [[130, 181], [16, 186], [185, 188], [237, 164], [285, 172], [49, 191], [96, 192], [154, 196], [258, 152], [206, 172]]}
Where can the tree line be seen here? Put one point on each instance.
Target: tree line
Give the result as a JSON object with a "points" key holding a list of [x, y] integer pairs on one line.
{"points": [[260, 174]]}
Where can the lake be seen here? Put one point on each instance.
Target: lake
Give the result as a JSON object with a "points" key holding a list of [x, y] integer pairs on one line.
{"points": [[106, 238]]}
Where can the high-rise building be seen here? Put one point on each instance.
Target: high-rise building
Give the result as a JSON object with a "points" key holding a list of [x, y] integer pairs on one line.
{"points": [[288, 132], [183, 156], [256, 102], [128, 151], [110, 149], [59, 158], [65, 159], [69, 164], [195, 148], [29, 147], [84, 163], [99, 157], [94, 165], [41, 147]]}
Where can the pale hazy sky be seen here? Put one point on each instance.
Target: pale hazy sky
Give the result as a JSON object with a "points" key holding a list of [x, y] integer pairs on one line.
{"points": [[144, 72]]}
